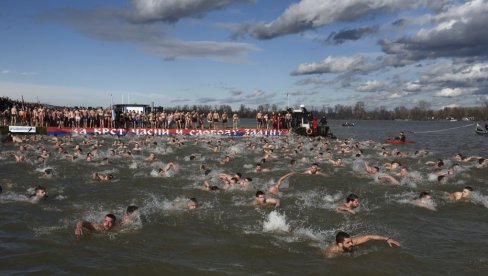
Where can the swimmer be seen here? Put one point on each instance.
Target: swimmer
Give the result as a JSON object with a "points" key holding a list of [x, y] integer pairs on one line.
{"points": [[225, 177], [371, 170], [403, 172], [19, 158], [208, 187], [462, 158], [192, 203], [246, 182], [130, 216], [438, 164], [259, 168], [225, 160], [262, 200], [39, 193], [314, 169], [482, 163], [151, 157], [465, 193], [107, 225], [392, 165], [425, 200], [48, 173], [347, 244], [166, 168], [102, 177], [389, 178], [352, 202], [276, 187], [336, 163]]}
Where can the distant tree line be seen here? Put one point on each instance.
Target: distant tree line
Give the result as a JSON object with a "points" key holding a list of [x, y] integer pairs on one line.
{"points": [[357, 112]]}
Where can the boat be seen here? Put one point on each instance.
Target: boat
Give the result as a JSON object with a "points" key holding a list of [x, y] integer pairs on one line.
{"points": [[347, 124], [301, 124], [480, 130], [398, 141]]}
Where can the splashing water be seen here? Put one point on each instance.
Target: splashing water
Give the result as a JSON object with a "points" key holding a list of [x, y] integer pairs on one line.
{"points": [[276, 222]]}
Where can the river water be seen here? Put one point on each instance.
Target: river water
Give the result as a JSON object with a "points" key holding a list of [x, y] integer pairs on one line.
{"points": [[227, 234]]}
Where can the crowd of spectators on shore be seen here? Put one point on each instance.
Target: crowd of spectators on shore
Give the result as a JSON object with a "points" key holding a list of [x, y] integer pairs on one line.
{"points": [[20, 113]]}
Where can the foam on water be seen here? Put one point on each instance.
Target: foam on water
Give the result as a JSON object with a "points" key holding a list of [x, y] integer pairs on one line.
{"points": [[478, 198], [275, 222]]}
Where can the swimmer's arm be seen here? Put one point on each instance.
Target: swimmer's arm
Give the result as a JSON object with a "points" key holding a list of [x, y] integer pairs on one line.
{"points": [[473, 157], [274, 201], [284, 177], [84, 224], [363, 239], [322, 174], [389, 178], [344, 208]]}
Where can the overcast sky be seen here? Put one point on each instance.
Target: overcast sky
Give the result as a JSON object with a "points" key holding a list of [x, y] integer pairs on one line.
{"points": [[314, 52]]}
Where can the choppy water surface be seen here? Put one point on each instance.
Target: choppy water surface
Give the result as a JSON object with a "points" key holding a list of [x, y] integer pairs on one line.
{"points": [[226, 234]]}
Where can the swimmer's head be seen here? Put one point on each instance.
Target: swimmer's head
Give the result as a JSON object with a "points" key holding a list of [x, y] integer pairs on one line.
{"points": [[467, 191], [109, 221], [344, 241], [425, 195], [192, 203], [207, 171], [258, 167], [110, 177], [131, 209], [260, 196], [440, 163], [40, 192], [352, 197]]}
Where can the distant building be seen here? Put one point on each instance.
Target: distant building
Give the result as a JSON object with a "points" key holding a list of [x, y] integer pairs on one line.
{"points": [[138, 108]]}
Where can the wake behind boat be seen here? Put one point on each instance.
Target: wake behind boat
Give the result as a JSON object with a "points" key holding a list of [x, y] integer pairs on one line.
{"points": [[480, 130]]}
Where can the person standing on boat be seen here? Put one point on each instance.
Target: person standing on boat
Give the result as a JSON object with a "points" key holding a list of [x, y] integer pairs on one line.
{"points": [[315, 124], [402, 137], [323, 121]]}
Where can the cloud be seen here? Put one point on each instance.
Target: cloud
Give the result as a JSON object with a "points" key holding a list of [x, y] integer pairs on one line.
{"points": [[147, 11], [372, 86], [459, 31], [303, 93], [111, 24], [397, 95], [314, 80], [312, 14], [449, 92], [350, 34], [236, 92], [206, 100], [5, 72], [329, 65], [180, 100]]}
